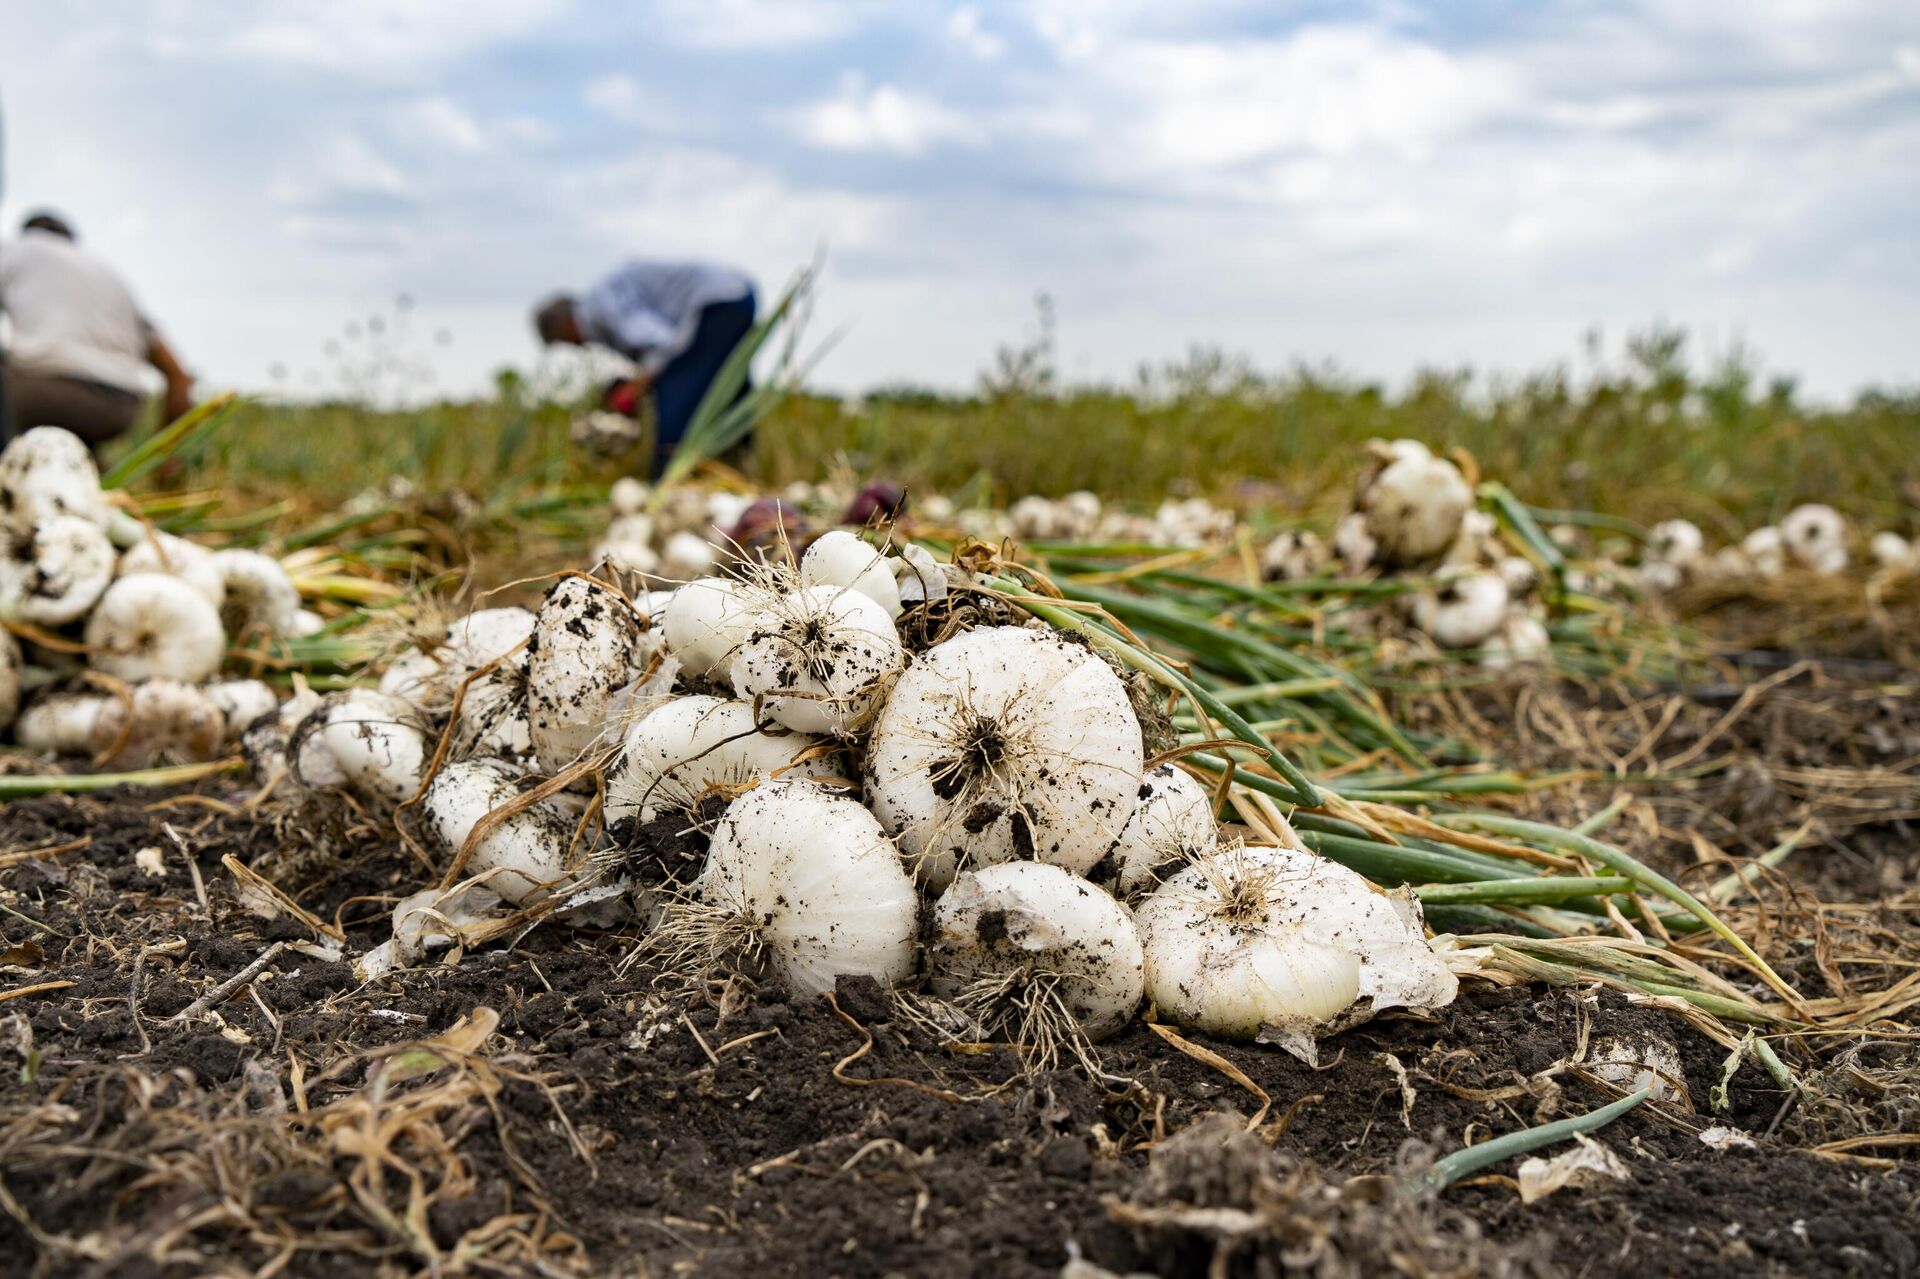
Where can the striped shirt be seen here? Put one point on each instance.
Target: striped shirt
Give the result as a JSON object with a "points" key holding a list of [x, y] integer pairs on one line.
{"points": [[648, 311]]}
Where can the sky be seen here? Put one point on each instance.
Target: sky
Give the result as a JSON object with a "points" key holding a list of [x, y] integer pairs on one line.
{"points": [[1377, 184]]}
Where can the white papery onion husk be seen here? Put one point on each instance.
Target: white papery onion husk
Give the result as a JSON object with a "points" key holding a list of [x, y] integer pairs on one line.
{"points": [[159, 720], [918, 576], [838, 558], [379, 742], [1462, 612], [152, 626], [1414, 507], [1282, 945], [60, 723], [706, 620], [429, 920], [49, 471], [259, 595], [1815, 535], [525, 855], [680, 753], [816, 660], [807, 881], [192, 563], [1015, 944], [243, 703], [586, 649], [11, 664], [1173, 825], [493, 712], [1005, 743], [54, 570]]}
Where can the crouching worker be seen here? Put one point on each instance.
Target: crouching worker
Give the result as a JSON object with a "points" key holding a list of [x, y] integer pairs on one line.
{"points": [[80, 349], [677, 321]]}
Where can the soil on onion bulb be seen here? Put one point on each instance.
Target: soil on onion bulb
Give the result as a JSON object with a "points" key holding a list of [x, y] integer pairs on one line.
{"points": [[604, 1130]]}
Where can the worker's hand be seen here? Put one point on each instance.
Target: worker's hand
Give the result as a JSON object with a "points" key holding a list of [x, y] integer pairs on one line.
{"points": [[179, 398]]}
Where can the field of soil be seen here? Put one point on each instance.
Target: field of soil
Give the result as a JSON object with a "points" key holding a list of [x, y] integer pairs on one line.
{"points": [[545, 1108]]}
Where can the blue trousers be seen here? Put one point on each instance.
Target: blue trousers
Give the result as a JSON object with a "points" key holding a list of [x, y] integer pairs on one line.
{"points": [[678, 390]]}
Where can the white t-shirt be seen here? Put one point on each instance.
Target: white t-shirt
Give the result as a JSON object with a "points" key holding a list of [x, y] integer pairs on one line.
{"points": [[71, 314], [648, 311]]}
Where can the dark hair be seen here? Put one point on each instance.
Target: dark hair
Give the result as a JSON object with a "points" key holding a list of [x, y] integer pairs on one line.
{"points": [[50, 222], [551, 314]]}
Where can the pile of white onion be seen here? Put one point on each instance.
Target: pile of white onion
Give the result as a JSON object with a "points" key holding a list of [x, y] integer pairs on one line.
{"points": [[152, 613]]}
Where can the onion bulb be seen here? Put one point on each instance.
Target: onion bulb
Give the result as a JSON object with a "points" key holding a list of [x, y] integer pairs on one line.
{"points": [[1173, 825], [1815, 536], [1891, 551], [243, 703], [1293, 556], [1463, 611], [1005, 743], [838, 558], [678, 754], [60, 723], [706, 621], [259, 594], [1766, 550], [493, 712], [687, 557], [192, 563], [628, 545], [628, 496], [379, 743], [1281, 944], [817, 659], [1354, 544], [54, 570], [806, 881], [1036, 955], [430, 920], [48, 471], [151, 626], [162, 719], [523, 855], [586, 649], [1414, 506], [1521, 638], [1678, 542]]}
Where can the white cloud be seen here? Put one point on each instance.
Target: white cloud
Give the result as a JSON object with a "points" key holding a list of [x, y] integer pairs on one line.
{"points": [[965, 29], [341, 164], [882, 117], [442, 120], [366, 37], [623, 98], [757, 24]]}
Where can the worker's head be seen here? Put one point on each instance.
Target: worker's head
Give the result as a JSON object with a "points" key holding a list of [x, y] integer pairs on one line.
{"points": [[51, 223], [557, 320]]}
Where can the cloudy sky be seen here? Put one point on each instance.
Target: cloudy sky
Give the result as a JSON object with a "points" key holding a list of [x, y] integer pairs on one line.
{"points": [[1383, 185]]}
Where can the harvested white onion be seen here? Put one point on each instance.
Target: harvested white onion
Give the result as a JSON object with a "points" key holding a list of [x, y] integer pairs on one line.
{"points": [[687, 557], [1173, 825], [918, 576], [1035, 954], [493, 711], [1463, 611], [60, 723], [692, 747], [628, 496], [47, 471], [243, 702], [1815, 535], [54, 570], [161, 719], [1521, 638], [151, 626], [817, 659], [1414, 507], [258, 593], [1353, 543], [1293, 556], [11, 664], [838, 558], [1678, 542], [1766, 550], [808, 880], [379, 743], [1281, 942], [522, 856], [1005, 743], [705, 622], [586, 649], [1891, 551], [192, 563]]}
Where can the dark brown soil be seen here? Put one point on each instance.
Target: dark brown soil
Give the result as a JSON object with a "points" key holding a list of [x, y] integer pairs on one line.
{"points": [[607, 1129]]}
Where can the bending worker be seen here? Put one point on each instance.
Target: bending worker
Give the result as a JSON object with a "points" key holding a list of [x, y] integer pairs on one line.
{"points": [[677, 321], [80, 349]]}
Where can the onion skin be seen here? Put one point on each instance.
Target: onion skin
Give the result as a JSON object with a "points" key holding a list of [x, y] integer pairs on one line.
{"points": [[152, 626], [818, 659], [838, 558], [585, 648], [704, 623], [48, 471], [691, 747], [523, 857], [1173, 824]]}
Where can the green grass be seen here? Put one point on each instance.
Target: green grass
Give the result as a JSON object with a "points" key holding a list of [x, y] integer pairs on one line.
{"points": [[1646, 441]]}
